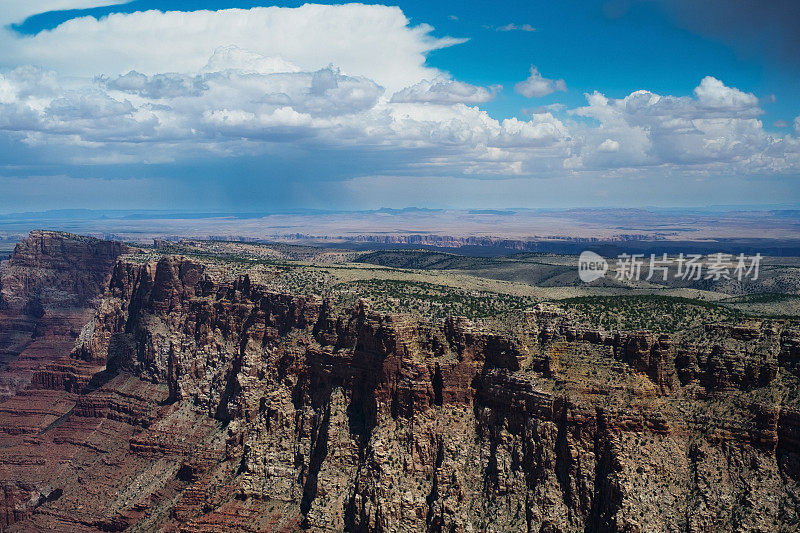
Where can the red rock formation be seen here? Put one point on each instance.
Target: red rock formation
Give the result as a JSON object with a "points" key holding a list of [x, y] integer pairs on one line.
{"points": [[49, 290], [227, 407]]}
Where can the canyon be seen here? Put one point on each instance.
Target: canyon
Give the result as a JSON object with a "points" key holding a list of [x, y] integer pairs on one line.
{"points": [[147, 391]]}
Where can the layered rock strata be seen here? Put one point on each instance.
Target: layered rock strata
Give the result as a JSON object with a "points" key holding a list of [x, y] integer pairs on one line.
{"points": [[223, 406], [49, 290]]}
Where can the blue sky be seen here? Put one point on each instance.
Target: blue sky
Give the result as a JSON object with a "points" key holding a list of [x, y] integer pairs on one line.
{"points": [[716, 126]]}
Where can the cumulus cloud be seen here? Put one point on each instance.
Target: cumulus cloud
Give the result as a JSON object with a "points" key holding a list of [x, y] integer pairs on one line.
{"points": [[717, 128], [373, 41], [90, 106], [445, 91], [226, 100], [331, 93], [537, 86], [246, 61], [157, 86], [169, 107], [712, 94], [235, 112], [609, 145]]}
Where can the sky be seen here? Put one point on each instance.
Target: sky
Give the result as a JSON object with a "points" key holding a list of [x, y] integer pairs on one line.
{"points": [[255, 106]]}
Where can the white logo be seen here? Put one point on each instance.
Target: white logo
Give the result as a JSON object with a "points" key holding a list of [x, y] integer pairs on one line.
{"points": [[629, 267], [591, 266]]}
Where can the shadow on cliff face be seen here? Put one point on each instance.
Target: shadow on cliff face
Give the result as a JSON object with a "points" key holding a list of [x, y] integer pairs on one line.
{"points": [[319, 451], [437, 383], [607, 496], [98, 380], [34, 307], [435, 522], [362, 411], [355, 383]]}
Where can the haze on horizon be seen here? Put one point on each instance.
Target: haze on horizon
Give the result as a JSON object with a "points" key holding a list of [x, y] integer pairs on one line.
{"points": [[194, 105]]}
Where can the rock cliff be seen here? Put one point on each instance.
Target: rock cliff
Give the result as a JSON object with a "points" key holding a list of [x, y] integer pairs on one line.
{"points": [[222, 406], [49, 290]]}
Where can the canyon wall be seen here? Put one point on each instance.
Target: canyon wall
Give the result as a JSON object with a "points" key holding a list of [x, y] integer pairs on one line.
{"points": [[220, 405], [49, 290]]}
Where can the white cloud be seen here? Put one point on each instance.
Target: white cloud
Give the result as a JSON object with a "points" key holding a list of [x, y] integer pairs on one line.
{"points": [[233, 112], [248, 62], [609, 145], [445, 91], [712, 94], [89, 106], [715, 130], [516, 27], [157, 86], [549, 108], [537, 86], [541, 130], [249, 92], [373, 41]]}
